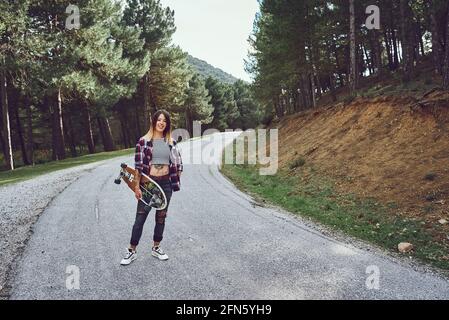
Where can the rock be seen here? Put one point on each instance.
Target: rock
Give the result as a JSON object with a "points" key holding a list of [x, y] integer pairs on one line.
{"points": [[405, 247], [443, 221]]}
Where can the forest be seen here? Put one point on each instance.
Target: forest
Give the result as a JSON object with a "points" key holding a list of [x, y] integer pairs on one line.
{"points": [[305, 50], [85, 78], [68, 91]]}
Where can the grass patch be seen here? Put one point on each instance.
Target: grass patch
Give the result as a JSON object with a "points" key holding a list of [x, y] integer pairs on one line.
{"points": [[315, 197], [29, 172]]}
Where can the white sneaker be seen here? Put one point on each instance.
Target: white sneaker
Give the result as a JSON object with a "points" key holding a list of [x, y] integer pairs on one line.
{"points": [[159, 253], [129, 257]]}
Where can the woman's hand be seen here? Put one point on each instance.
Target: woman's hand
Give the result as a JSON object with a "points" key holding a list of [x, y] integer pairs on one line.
{"points": [[138, 193]]}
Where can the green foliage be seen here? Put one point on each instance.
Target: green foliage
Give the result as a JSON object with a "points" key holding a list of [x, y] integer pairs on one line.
{"points": [[169, 75], [157, 24], [219, 98], [248, 112], [295, 42], [197, 103]]}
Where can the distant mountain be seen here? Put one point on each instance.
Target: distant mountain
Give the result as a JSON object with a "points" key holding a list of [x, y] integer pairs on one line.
{"points": [[206, 70]]}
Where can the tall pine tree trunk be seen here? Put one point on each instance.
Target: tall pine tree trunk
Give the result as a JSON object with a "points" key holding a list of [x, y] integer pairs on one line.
{"points": [[306, 91], [377, 52], [58, 128], [319, 86], [189, 121], [353, 58], [69, 133], [420, 40], [29, 129], [146, 98], [20, 134], [446, 57], [7, 143], [153, 105], [395, 50], [277, 108], [389, 51], [436, 47], [102, 134], [106, 134], [367, 63], [88, 129], [125, 137], [407, 41], [138, 126], [314, 78], [129, 142], [295, 101], [313, 89], [2, 145], [111, 143], [332, 87], [49, 105]]}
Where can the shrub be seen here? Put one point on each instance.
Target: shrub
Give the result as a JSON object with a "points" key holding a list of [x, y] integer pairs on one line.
{"points": [[299, 162], [430, 176]]}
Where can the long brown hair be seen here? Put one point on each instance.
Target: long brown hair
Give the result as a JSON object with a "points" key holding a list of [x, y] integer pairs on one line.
{"points": [[167, 130]]}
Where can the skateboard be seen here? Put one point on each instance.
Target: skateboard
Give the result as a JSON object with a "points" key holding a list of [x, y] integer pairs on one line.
{"points": [[153, 196]]}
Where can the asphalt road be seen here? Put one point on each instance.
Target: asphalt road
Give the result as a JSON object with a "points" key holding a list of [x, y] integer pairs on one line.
{"points": [[221, 246]]}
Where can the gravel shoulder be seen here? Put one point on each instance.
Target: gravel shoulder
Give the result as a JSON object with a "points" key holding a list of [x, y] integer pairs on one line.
{"points": [[20, 207]]}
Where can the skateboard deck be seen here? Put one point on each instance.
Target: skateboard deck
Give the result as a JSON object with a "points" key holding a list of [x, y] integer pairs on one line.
{"points": [[153, 196]]}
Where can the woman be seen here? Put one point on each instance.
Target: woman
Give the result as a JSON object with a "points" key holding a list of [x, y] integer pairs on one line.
{"points": [[157, 157]]}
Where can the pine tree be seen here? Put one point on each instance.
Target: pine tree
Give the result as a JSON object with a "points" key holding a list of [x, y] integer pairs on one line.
{"points": [[231, 108], [55, 60], [110, 60], [219, 100], [170, 75], [248, 113], [197, 105], [157, 25]]}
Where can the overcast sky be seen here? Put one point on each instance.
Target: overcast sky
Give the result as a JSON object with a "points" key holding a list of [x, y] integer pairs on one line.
{"points": [[215, 31]]}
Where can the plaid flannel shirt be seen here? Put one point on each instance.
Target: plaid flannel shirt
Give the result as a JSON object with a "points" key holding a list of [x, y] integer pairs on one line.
{"points": [[143, 156]]}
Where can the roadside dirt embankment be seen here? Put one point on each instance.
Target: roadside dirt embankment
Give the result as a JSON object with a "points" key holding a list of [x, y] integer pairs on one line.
{"points": [[395, 150]]}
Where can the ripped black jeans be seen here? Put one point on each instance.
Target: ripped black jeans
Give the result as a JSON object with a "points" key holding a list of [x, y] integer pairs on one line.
{"points": [[141, 215]]}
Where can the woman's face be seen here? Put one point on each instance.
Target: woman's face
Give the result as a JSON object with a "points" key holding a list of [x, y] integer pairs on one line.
{"points": [[161, 123]]}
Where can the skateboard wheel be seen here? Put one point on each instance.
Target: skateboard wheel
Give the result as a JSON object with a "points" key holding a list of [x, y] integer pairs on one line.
{"points": [[124, 165], [117, 181]]}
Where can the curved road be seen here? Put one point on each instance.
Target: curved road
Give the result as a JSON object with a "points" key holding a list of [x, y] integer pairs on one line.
{"points": [[221, 246]]}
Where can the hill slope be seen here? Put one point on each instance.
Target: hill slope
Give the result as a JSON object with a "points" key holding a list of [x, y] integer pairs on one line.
{"points": [[207, 70], [395, 150]]}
